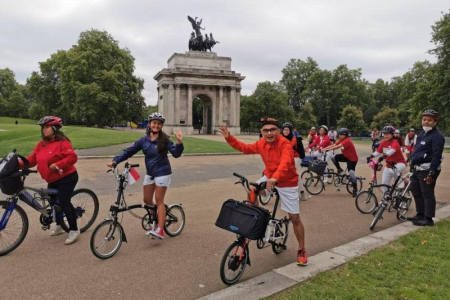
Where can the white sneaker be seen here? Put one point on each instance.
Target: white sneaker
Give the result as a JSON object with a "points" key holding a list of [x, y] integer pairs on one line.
{"points": [[57, 230], [157, 233], [73, 236], [303, 196]]}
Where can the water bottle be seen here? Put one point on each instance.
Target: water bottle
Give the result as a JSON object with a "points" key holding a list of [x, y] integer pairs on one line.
{"points": [[269, 231]]}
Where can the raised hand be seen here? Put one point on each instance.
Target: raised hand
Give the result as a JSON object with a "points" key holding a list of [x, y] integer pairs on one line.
{"points": [[224, 131], [179, 136]]}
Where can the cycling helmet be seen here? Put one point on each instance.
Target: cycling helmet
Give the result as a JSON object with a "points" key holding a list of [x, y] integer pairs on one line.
{"points": [[324, 127], [388, 129], [156, 116], [288, 124], [411, 129], [431, 113], [397, 131], [313, 128], [50, 121], [342, 131]]}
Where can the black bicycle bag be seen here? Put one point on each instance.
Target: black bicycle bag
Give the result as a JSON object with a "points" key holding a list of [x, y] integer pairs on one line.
{"points": [[9, 166], [244, 219]]}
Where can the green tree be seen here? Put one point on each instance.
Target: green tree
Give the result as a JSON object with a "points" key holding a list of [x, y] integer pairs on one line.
{"points": [[387, 116], [92, 81], [36, 111], [352, 119], [12, 102], [268, 100], [295, 76], [305, 117]]}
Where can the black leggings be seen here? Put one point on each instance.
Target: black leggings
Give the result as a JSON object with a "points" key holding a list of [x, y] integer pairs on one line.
{"points": [[65, 187], [351, 166]]}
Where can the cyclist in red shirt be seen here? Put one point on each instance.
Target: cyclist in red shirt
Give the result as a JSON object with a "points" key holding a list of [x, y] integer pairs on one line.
{"points": [[55, 160], [348, 155], [391, 150], [322, 141], [278, 157], [410, 142]]}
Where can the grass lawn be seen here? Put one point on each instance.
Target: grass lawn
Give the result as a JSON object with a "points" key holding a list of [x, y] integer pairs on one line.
{"points": [[417, 266], [27, 134]]}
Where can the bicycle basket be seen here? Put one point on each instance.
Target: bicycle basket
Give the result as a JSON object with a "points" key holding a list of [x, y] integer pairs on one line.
{"points": [[317, 166], [305, 161], [9, 183], [246, 220]]}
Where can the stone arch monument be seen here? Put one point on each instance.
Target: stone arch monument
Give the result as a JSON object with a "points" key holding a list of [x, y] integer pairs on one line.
{"points": [[199, 75]]}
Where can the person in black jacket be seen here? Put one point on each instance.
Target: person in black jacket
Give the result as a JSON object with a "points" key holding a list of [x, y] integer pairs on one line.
{"points": [[426, 166]]}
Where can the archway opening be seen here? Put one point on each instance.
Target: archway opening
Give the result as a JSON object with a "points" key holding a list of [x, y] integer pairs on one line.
{"points": [[202, 114]]}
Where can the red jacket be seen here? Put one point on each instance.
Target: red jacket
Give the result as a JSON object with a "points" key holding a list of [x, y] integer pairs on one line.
{"points": [[278, 158], [322, 144], [59, 153]]}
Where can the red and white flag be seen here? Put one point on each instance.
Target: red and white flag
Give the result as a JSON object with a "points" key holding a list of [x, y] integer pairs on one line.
{"points": [[133, 176]]}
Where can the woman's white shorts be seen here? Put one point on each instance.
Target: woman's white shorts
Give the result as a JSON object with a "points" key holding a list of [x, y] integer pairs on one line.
{"points": [[159, 181]]}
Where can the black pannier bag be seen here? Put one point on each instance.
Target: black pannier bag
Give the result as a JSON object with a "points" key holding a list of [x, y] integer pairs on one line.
{"points": [[241, 218], [10, 182], [317, 166]]}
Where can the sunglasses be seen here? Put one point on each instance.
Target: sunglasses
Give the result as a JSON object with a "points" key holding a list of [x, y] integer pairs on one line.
{"points": [[267, 130]]}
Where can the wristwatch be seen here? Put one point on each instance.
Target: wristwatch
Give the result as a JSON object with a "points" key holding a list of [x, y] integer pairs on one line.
{"points": [[431, 173]]}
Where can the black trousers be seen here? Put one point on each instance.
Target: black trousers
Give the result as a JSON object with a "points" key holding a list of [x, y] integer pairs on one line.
{"points": [[424, 193], [65, 187], [351, 166]]}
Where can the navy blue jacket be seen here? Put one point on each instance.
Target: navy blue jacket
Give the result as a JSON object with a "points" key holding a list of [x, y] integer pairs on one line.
{"points": [[428, 149], [157, 164]]}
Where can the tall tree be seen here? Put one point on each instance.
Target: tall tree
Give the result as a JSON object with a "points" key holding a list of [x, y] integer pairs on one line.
{"points": [[387, 116], [352, 119], [295, 76], [12, 102]]}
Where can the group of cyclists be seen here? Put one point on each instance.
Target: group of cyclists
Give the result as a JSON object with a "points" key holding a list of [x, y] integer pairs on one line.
{"points": [[280, 149]]}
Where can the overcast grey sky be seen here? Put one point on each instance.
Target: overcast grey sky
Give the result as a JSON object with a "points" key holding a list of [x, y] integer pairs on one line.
{"points": [[383, 38]]}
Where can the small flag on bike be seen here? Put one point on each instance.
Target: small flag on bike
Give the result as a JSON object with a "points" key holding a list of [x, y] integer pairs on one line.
{"points": [[133, 176]]}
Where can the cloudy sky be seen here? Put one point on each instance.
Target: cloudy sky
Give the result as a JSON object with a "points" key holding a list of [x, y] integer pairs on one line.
{"points": [[383, 38]]}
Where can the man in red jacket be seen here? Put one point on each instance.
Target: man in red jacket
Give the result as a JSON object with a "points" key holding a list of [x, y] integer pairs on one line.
{"points": [[278, 157]]}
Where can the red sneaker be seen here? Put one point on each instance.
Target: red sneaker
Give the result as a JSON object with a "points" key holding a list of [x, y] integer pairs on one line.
{"points": [[302, 258], [158, 233]]}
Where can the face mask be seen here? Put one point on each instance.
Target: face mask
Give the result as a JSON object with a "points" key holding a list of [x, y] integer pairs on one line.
{"points": [[427, 128]]}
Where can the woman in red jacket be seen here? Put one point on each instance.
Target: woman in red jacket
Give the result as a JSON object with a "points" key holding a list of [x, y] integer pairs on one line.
{"points": [[322, 141], [55, 159]]}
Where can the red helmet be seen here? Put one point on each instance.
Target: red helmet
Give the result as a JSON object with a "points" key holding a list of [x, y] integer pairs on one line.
{"points": [[50, 121]]}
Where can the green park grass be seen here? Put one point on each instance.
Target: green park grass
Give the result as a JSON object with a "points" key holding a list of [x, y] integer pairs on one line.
{"points": [[416, 266], [26, 135]]}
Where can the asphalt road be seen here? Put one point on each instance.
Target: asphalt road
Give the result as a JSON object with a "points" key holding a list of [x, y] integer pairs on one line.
{"points": [[183, 267]]}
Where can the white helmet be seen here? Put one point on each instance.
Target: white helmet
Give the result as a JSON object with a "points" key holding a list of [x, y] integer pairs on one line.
{"points": [[156, 116], [324, 127]]}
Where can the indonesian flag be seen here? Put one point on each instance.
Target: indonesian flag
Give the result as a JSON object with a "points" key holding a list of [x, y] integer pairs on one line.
{"points": [[133, 176]]}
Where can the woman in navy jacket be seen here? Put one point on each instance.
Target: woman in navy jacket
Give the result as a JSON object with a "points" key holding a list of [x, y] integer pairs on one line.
{"points": [[155, 145]]}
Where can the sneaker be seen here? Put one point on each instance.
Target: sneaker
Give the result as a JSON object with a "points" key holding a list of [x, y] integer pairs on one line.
{"points": [[57, 230], [302, 258], [355, 193], [73, 236], [303, 196], [417, 217], [424, 222], [340, 172], [158, 233]]}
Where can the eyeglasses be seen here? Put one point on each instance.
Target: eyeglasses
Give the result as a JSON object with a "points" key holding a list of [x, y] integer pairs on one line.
{"points": [[268, 130]]}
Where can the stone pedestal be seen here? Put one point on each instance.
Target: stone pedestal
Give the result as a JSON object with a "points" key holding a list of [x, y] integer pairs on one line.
{"points": [[199, 75]]}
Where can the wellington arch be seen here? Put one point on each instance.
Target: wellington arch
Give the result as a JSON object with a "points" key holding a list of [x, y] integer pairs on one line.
{"points": [[207, 78]]}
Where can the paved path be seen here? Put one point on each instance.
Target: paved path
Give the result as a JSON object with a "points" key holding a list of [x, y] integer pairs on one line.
{"points": [[184, 267]]}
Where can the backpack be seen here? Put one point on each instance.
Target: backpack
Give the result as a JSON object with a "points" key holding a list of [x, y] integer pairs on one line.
{"points": [[300, 149], [10, 180]]}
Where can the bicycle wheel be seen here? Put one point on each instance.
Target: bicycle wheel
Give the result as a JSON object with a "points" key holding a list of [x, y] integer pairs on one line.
{"points": [[314, 185], [359, 185], [233, 263], [264, 199], [86, 206], [366, 202], [281, 230], [337, 181], [175, 220], [305, 175], [15, 231], [330, 175], [403, 208], [377, 216], [106, 239]]}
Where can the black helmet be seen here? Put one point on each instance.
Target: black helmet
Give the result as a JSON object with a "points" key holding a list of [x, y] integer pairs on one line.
{"points": [[431, 113], [287, 124], [388, 129], [156, 116], [342, 131]]}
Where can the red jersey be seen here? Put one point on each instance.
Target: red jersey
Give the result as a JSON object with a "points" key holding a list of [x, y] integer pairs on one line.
{"points": [[397, 157], [348, 149], [278, 158], [321, 141], [55, 152]]}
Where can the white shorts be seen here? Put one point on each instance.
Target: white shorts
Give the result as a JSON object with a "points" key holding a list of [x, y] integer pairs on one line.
{"points": [[159, 181], [290, 201]]}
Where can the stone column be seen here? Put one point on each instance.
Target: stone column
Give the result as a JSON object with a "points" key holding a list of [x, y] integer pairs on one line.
{"points": [[238, 107], [233, 107], [160, 103], [189, 106], [171, 105], [177, 105], [220, 105], [165, 94]]}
